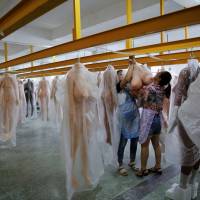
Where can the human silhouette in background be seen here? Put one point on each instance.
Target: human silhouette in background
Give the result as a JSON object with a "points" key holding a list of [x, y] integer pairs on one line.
{"points": [[28, 89]]}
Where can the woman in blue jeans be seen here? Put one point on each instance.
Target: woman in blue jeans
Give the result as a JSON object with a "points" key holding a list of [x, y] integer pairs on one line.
{"points": [[129, 124]]}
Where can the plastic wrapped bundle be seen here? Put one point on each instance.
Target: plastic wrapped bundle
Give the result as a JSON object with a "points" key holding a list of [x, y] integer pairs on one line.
{"points": [[179, 146], [84, 164], [172, 96], [43, 96], [55, 104], [109, 98], [165, 114], [22, 102], [99, 78], [9, 103], [189, 112]]}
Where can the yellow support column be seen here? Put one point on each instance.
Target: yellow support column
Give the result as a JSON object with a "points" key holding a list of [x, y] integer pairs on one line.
{"points": [[186, 32], [6, 53], [31, 51], [77, 20], [129, 21], [162, 10]]}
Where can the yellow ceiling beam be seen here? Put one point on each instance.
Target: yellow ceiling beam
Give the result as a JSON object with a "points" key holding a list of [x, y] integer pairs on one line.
{"points": [[189, 16], [77, 19], [129, 17], [156, 48], [25, 12], [167, 58]]}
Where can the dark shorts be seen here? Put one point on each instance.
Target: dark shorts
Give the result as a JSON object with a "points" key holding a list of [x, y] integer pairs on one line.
{"points": [[155, 126]]}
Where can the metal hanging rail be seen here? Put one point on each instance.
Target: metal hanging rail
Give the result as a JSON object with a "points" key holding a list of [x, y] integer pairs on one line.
{"points": [[169, 59]]}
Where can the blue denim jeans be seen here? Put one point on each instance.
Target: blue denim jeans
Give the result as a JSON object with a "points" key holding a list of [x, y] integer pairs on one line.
{"points": [[122, 145]]}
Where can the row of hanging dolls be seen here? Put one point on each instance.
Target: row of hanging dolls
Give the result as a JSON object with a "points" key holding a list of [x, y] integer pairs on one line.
{"points": [[18, 101], [91, 124]]}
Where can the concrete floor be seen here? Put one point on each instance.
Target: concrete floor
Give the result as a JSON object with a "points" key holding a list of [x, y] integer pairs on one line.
{"points": [[34, 170]]}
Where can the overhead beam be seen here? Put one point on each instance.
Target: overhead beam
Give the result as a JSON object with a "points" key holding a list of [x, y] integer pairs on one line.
{"points": [[25, 12], [166, 58], [170, 21], [156, 48]]}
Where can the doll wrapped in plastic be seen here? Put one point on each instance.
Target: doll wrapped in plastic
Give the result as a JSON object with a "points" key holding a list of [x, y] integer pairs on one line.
{"points": [[109, 100], [84, 164], [9, 103], [43, 96]]}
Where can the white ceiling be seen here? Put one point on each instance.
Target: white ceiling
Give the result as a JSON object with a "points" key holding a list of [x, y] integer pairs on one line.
{"points": [[55, 27], [6, 5], [188, 3]]}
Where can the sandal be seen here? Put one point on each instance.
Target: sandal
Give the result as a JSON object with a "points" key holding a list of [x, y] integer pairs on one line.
{"points": [[132, 165], [123, 171], [142, 173], [155, 170]]}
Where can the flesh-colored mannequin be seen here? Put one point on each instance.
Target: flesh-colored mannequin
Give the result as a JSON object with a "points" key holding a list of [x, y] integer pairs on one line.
{"points": [[9, 101], [109, 99], [79, 98], [53, 96], [138, 75], [43, 95]]}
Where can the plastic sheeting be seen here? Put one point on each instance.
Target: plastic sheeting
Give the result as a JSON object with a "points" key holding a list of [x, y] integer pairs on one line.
{"points": [[176, 151], [84, 164], [22, 102], [110, 117], [172, 141], [56, 113], [189, 112], [44, 97], [165, 116], [9, 105]]}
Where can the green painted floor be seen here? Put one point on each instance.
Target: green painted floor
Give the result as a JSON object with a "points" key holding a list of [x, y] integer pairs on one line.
{"points": [[34, 170]]}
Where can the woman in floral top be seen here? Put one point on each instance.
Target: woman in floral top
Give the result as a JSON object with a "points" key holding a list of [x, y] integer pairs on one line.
{"points": [[150, 124]]}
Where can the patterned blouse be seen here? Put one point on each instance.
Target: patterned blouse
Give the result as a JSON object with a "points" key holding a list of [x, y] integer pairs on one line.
{"points": [[182, 86], [153, 97]]}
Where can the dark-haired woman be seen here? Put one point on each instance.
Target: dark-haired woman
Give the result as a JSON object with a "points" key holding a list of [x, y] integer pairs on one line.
{"points": [[151, 120]]}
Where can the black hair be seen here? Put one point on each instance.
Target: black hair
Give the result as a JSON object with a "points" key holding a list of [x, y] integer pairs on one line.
{"points": [[168, 91], [119, 71], [165, 78]]}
